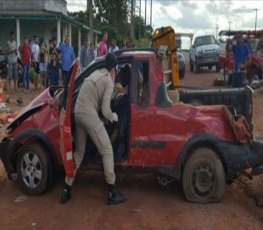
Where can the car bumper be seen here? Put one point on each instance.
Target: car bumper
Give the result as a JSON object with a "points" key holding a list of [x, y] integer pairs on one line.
{"points": [[207, 60], [239, 157], [6, 158]]}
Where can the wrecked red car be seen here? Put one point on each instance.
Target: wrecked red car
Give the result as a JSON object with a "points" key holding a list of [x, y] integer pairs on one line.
{"points": [[203, 146]]}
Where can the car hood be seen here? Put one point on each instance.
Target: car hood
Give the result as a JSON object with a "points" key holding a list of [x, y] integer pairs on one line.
{"points": [[207, 47], [37, 103]]}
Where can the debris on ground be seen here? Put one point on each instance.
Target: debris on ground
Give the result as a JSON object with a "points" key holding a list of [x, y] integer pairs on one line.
{"points": [[21, 199], [20, 101], [7, 116]]}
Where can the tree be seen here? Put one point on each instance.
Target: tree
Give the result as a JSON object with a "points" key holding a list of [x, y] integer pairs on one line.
{"points": [[113, 13], [139, 26], [113, 17]]}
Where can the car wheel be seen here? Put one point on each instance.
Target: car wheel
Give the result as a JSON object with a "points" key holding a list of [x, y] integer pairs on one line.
{"points": [[34, 169], [203, 177]]}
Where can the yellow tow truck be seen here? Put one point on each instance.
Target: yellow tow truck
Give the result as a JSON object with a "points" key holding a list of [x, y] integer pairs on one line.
{"points": [[164, 40]]}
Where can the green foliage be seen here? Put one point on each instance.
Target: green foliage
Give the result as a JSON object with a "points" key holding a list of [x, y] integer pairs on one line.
{"points": [[112, 12], [143, 43], [114, 17]]}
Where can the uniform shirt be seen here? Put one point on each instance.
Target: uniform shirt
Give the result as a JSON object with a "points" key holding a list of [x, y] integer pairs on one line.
{"points": [[95, 94], [11, 45], [241, 53]]}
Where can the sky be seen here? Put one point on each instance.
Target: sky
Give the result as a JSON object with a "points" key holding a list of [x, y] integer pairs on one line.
{"points": [[197, 16]]}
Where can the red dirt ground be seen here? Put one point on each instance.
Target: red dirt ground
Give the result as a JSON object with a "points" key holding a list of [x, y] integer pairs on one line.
{"points": [[149, 206]]}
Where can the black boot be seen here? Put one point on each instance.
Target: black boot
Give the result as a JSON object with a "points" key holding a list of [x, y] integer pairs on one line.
{"points": [[66, 194], [114, 196]]}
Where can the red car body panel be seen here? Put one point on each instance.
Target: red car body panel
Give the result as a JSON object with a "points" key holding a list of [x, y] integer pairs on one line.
{"points": [[173, 127], [66, 147], [45, 119]]}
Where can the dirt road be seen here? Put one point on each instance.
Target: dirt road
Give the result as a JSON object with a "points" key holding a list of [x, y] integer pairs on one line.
{"points": [[149, 205]]}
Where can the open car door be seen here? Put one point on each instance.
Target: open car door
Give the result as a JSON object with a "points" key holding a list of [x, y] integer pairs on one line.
{"points": [[66, 138]]}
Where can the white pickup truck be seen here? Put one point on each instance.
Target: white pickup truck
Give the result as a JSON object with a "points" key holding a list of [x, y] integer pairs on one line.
{"points": [[204, 52]]}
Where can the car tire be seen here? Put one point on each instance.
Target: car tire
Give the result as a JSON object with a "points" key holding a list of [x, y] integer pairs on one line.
{"points": [[34, 169], [203, 179]]}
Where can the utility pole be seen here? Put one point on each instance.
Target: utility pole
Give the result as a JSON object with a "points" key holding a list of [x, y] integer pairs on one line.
{"points": [[132, 20], [151, 13], [90, 14], [256, 18], [229, 22], [145, 18], [216, 30], [140, 19]]}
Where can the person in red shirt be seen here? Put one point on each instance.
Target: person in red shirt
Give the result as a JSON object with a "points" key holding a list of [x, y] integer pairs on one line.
{"points": [[25, 52], [102, 46]]}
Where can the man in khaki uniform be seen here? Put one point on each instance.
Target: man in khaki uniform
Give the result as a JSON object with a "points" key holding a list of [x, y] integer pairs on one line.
{"points": [[95, 94]]}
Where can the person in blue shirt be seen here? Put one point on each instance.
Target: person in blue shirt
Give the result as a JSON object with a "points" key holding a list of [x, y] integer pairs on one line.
{"points": [[241, 59], [67, 58]]}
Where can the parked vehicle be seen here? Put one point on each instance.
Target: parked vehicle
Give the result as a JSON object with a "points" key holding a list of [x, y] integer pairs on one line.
{"points": [[204, 147], [204, 52], [181, 66], [226, 59]]}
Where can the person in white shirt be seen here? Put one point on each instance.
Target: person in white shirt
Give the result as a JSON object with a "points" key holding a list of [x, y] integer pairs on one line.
{"points": [[35, 61], [113, 46], [12, 61]]}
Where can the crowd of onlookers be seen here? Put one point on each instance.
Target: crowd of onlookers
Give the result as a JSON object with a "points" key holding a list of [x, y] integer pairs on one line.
{"points": [[36, 62], [87, 53], [42, 65]]}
